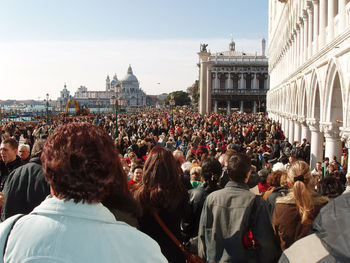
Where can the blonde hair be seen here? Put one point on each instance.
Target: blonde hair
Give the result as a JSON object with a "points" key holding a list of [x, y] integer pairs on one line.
{"points": [[195, 173], [299, 176]]}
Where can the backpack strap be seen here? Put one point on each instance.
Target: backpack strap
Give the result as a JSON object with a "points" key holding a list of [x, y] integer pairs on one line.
{"points": [[8, 235]]}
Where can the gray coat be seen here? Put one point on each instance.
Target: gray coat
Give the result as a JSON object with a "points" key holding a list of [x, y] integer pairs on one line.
{"points": [[226, 217]]}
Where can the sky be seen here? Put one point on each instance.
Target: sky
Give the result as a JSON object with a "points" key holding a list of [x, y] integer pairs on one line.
{"points": [[47, 43]]}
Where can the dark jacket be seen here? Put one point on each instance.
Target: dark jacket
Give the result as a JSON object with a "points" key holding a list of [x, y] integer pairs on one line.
{"points": [[330, 241], [190, 223], [7, 168], [271, 200], [286, 220], [149, 226], [25, 189], [227, 215]]}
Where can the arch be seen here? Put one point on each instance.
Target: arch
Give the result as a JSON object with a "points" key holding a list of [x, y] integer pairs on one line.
{"points": [[315, 100], [334, 93]]}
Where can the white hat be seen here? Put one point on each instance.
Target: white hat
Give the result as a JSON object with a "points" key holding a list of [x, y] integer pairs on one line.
{"points": [[278, 167]]}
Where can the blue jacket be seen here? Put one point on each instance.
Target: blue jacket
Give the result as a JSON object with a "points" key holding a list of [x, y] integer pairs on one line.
{"points": [[226, 217], [64, 231]]}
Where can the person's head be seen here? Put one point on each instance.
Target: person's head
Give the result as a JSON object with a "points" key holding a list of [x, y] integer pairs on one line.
{"points": [[161, 185], [8, 150], [211, 170], [81, 163], [318, 166], [23, 151], [137, 173], [238, 168], [299, 178], [274, 178], [195, 173], [330, 187], [38, 147]]}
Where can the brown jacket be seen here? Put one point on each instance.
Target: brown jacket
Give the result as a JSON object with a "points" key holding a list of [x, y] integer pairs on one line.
{"points": [[286, 220]]}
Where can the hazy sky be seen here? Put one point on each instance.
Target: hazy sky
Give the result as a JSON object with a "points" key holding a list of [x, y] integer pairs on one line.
{"points": [[46, 43]]}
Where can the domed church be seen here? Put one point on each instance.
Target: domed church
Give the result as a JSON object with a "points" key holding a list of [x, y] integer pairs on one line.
{"points": [[127, 90]]}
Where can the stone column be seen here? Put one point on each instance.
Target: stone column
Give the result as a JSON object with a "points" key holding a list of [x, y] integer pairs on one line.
{"points": [[286, 127], [310, 29], [229, 81], [301, 44], [333, 144], [215, 106], [254, 81], [297, 47], [330, 20], [342, 14], [316, 151], [228, 110], [291, 131], [316, 25], [306, 34], [241, 106], [323, 23], [254, 106], [203, 96], [305, 132], [297, 134], [209, 88], [241, 84]]}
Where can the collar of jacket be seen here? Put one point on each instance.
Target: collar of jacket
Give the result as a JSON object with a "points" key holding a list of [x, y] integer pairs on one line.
{"points": [[35, 160], [55, 206], [14, 164], [237, 185]]}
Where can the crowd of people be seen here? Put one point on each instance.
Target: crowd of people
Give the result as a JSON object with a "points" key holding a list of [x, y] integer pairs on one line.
{"points": [[229, 187]]}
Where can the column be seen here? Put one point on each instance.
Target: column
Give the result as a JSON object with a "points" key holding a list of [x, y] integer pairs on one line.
{"points": [[301, 42], [305, 132], [203, 96], [241, 106], [254, 106], [291, 131], [209, 88], [316, 25], [333, 145], [254, 81], [316, 151], [330, 20], [310, 23], [342, 14], [297, 132], [297, 47], [286, 127], [228, 110], [229, 82], [215, 106], [306, 34], [323, 23], [241, 84]]}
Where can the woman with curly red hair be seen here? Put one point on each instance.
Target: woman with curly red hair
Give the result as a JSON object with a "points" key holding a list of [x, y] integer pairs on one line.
{"points": [[162, 191], [82, 167]]}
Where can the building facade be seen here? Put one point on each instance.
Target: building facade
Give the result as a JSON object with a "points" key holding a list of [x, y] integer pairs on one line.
{"points": [[309, 67], [232, 80], [127, 91]]}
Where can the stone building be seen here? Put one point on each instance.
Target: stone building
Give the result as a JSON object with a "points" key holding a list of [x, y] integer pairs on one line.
{"points": [[232, 80], [127, 91], [309, 67]]}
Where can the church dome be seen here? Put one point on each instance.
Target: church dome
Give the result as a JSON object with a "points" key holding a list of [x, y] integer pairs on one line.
{"points": [[130, 77]]}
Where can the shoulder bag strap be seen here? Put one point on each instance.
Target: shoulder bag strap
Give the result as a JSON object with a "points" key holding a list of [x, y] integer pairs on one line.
{"points": [[8, 235], [168, 232]]}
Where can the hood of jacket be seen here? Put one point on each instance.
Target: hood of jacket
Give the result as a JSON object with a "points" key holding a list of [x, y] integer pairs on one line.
{"points": [[289, 198], [332, 226]]}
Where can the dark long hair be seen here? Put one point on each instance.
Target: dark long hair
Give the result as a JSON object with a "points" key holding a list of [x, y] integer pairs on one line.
{"points": [[161, 186]]}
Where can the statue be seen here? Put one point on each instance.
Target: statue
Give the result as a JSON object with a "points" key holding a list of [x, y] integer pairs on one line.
{"points": [[203, 48]]}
